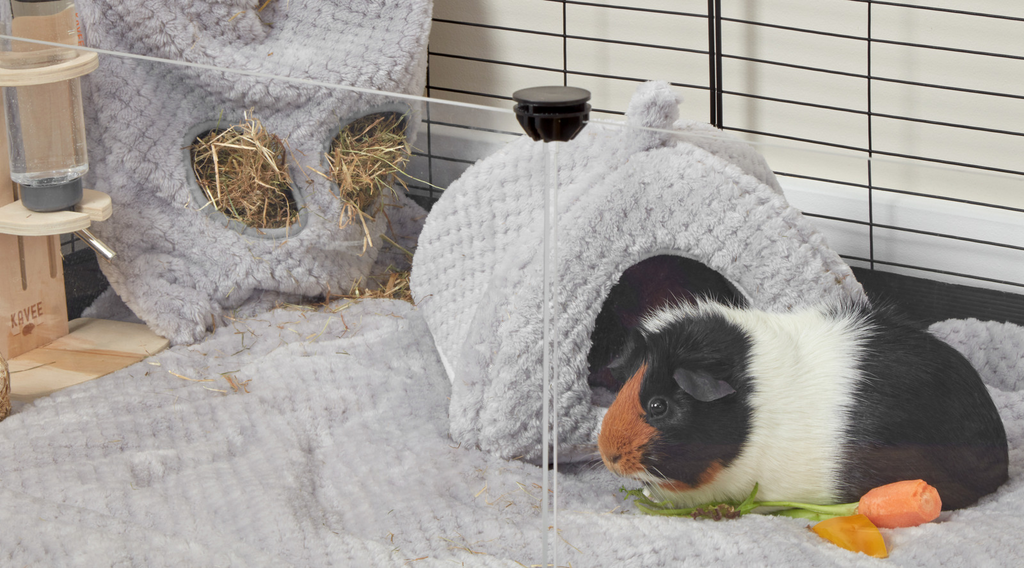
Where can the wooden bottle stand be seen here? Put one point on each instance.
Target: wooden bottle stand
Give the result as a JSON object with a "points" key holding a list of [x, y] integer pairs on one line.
{"points": [[44, 351]]}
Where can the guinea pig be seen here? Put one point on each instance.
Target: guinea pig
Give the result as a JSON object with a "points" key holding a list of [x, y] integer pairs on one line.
{"points": [[817, 405]]}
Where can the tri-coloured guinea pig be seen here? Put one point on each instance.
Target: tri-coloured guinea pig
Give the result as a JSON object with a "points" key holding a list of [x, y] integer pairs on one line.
{"points": [[818, 405]]}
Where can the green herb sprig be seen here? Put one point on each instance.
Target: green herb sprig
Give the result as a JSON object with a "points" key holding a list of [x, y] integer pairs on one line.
{"points": [[719, 510]]}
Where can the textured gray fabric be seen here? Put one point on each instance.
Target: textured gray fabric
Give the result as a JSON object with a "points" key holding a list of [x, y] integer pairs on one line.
{"points": [[339, 456], [996, 349], [179, 269], [625, 194]]}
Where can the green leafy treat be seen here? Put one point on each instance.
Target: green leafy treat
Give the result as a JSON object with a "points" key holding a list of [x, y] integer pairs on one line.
{"points": [[717, 511]]}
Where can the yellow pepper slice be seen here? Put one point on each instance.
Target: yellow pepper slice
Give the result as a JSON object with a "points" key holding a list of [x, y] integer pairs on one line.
{"points": [[855, 532]]}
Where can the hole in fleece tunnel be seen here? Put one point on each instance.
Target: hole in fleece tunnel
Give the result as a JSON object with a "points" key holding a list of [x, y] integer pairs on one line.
{"points": [[241, 177], [652, 283]]}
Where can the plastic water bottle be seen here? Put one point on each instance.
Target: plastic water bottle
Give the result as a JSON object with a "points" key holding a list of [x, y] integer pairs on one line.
{"points": [[45, 123]]}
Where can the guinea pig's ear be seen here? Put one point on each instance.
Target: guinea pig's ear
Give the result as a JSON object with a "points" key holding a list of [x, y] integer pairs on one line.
{"points": [[701, 385], [628, 359]]}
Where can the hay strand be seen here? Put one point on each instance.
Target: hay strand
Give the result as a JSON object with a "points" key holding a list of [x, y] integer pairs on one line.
{"points": [[236, 385], [183, 377], [242, 173], [391, 242], [5, 389]]}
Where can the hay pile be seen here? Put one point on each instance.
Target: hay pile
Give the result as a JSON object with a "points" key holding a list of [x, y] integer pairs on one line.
{"points": [[365, 159], [391, 285], [242, 172]]}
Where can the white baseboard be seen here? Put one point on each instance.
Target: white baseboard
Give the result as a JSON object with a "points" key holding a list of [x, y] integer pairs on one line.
{"points": [[938, 238]]}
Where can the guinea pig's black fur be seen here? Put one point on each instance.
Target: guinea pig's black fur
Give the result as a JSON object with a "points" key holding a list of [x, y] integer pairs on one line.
{"points": [[652, 283], [818, 405]]}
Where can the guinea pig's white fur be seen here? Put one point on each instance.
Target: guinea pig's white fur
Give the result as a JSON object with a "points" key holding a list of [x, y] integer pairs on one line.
{"points": [[804, 368]]}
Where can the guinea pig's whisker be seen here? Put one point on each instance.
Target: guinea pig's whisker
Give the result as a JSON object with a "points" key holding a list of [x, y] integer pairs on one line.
{"points": [[595, 465], [651, 476]]}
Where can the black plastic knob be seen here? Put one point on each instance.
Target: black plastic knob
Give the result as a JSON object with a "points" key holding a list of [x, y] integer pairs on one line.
{"points": [[552, 114]]}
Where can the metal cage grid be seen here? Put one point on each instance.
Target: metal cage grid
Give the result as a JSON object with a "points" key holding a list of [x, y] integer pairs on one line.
{"points": [[722, 52], [714, 74]]}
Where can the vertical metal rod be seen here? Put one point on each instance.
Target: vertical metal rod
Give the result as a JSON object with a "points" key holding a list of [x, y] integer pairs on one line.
{"points": [[565, 47], [430, 152], [550, 358], [719, 119], [871, 189], [712, 72]]}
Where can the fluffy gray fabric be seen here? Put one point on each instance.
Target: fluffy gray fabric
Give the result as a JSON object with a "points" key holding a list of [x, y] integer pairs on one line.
{"points": [[995, 349], [179, 268], [339, 456], [625, 194]]}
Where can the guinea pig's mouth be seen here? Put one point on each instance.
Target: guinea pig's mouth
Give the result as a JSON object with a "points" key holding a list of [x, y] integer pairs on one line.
{"points": [[649, 478], [634, 468], [659, 484], [639, 472]]}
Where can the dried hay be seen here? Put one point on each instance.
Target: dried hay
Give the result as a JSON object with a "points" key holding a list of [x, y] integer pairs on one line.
{"points": [[5, 389], [365, 161], [236, 385], [242, 172], [391, 285]]}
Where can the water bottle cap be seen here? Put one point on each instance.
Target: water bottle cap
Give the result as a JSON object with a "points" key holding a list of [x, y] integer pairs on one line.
{"points": [[57, 197]]}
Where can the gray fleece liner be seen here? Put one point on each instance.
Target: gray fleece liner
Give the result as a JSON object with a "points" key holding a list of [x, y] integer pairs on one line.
{"points": [[181, 268]]}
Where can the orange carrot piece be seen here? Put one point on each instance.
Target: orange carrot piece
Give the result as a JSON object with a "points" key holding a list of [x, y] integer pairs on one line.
{"points": [[855, 533], [901, 504]]}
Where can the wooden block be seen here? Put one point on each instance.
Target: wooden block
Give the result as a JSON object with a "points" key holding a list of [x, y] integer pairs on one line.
{"points": [[16, 220], [33, 305], [92, 349]]}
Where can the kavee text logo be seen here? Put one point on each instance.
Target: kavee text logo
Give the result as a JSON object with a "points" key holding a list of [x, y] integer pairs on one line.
{"points": [[23, 321]]}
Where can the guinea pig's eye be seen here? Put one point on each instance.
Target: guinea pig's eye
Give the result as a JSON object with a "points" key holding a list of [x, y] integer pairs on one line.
{"points": [[657, 406]]}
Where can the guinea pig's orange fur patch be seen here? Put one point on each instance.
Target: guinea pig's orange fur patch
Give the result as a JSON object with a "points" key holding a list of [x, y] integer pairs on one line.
{"points": [[624, 432]]}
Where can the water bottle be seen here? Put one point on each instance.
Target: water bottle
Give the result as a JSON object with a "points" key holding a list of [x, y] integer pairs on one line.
{"points": [[45, 123]]}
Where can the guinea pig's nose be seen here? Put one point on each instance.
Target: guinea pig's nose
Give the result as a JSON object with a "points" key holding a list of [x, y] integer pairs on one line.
{"points": [[614, 458]]}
